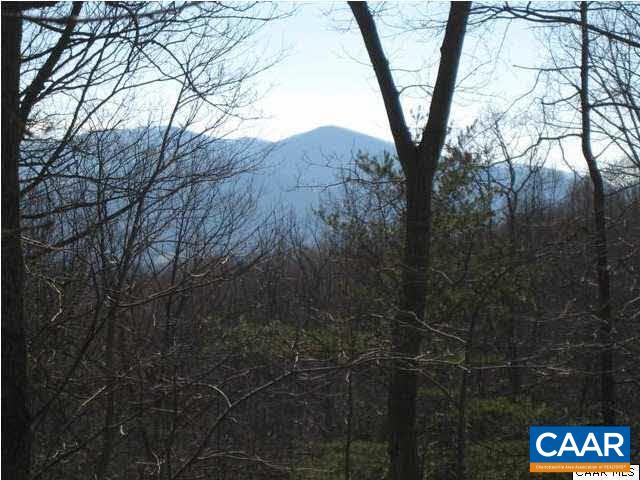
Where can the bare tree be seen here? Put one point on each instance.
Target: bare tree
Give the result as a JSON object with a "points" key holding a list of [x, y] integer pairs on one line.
{"points": [[419, 163], [607, 383], [15, 401], [593, 61], [84, 189], [15, 413]]}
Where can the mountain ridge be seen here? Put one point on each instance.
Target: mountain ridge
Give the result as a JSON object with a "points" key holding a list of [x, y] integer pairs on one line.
{"points": [[293, 173]]}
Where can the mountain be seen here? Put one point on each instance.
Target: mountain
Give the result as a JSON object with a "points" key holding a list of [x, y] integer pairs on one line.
{"points": [[299, 169], [292, 174], [547, 185]]}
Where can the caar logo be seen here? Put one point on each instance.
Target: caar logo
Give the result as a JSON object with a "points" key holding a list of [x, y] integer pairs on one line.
{"points": [[579, 449]]}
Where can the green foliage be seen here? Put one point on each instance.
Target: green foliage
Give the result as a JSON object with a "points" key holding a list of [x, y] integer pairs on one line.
{"points": [[503, 416], [369, 461], [499, 448], [498, 460], [497, 438], [273, 339]]}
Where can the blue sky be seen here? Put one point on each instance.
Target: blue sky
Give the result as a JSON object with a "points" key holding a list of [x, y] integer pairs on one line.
{"points": [[325, 79]]}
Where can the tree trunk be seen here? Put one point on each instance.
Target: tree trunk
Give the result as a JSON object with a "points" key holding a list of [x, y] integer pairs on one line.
{"points": [[109, 427], [16, 444], [607, 383], [419, 164], [407, 335], [461, 429]]}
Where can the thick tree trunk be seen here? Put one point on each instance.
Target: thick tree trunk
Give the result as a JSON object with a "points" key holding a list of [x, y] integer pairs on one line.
{"points": [[419, 164], [407, 335], [16, 437], [15, 402], [607, 383]]}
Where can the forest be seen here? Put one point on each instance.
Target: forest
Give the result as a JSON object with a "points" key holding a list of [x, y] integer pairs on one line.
{"points": [[162, 320]]}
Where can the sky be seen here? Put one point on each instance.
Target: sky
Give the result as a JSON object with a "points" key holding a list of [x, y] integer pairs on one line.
{"points": [[324, 77]]}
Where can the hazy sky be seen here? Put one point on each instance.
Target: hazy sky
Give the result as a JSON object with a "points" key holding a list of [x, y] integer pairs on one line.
{"points": [[325, 79]]}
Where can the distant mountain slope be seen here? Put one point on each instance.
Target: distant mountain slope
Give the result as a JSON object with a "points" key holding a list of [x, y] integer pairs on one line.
{"points": [[294, 173], [299, 168]]}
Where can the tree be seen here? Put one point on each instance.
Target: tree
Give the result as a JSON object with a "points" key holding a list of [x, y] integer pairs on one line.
{"points": [[593, 59], [607, 383], [15, 415], [85, 201], [419, 163], [15, 401]]}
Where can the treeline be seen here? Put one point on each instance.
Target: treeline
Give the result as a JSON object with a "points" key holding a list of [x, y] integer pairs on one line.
{"points": [[276, 365], [156, 324]]}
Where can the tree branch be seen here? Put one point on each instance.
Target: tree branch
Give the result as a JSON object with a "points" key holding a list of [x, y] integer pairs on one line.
{"points": [[37, 85], [435, 131], [401, 134]]}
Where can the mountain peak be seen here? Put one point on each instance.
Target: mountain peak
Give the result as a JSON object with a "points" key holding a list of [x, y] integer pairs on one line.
{"points": [[333, 133]]}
